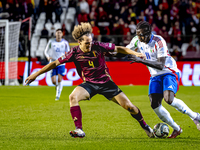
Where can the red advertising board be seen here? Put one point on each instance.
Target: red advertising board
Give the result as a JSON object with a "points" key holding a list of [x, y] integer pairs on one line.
{"points": [[137, 74], [71, 76], [122, 73]]}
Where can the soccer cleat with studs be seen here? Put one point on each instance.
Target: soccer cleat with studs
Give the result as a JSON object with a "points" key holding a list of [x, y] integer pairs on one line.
{"points": [[77, 133], [197, 121], [175, 133], [149, 131]]}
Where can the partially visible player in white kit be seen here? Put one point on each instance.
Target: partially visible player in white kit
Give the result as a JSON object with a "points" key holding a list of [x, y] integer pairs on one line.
{"points": [[165, 77], [56, 48]]}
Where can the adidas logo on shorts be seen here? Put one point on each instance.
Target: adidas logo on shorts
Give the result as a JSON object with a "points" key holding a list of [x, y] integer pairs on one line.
{"points": [[170, 87]]}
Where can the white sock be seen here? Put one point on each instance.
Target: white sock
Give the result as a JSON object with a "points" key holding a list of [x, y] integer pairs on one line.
{"points": [[164, 115], [182, 107], [59, 89]]}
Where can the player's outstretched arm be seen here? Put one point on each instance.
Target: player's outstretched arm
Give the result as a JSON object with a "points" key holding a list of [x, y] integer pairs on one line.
{"points": [[124, 50], [46, 51], [46, 68], [154, 64]]}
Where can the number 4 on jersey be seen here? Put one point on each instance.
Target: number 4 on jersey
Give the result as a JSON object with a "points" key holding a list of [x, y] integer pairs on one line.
{"points": [[91, 63]]}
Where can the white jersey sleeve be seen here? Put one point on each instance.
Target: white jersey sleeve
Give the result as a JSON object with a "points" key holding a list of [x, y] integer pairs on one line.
{"points": [[133, 45], [46, 51], [161, 47], [67, 48]]}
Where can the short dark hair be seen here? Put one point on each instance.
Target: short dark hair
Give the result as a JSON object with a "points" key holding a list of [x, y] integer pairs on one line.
{"points": [[145, 26], [59, 30]]}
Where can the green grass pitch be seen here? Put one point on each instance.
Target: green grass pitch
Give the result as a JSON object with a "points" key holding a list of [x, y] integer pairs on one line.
{"points": [[31, 119]]}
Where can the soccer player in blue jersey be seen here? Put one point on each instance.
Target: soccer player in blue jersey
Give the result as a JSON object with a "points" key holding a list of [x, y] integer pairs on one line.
{"points": [[89, 60], [56, 48], [165, 77]]}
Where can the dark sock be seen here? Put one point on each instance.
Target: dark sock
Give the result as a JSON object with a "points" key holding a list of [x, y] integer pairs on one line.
{"points": [[76, 116], [140, 119]]}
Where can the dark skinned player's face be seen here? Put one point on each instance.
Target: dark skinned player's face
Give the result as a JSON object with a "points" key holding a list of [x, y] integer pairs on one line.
{"points": [[86, 44], [139, 33]]}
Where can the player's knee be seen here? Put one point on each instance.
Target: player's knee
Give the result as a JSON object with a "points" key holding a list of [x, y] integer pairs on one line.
{"points": [[54, 82], [72, 98], [59, 79], [154, 105], [167, 99], [130, 108]]}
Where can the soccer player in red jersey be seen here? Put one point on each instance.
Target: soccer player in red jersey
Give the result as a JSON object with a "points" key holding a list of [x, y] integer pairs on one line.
{"points": [[89, 60]]}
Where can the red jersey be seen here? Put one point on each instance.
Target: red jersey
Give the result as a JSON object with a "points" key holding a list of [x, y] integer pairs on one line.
{"points": [[91, 66]]}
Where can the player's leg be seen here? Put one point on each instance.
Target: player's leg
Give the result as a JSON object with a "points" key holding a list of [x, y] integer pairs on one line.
{"points": [[178, 104], [156, 96], [181, 107], [59, 86], [170, 88], [112, 92], [61, 73], [53, 76], [78, 94], [82, 92], [123, 101], [162, 113], [54, 80]]}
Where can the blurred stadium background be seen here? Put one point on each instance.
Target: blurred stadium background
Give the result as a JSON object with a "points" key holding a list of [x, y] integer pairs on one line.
{"points": [[112, 21]]}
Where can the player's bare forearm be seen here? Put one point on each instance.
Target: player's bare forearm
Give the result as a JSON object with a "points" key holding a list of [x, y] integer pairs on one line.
{"points": [[154, 64], [124, 50], [46, 68]]}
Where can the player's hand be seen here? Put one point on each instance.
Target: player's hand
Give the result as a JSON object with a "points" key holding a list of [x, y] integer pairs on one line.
{"points": [[30, 79], [134, 58], [49, 58], [141, 55]]}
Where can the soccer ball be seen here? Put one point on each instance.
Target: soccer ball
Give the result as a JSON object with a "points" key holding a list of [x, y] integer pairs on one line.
{"points": [[161, 130]]}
